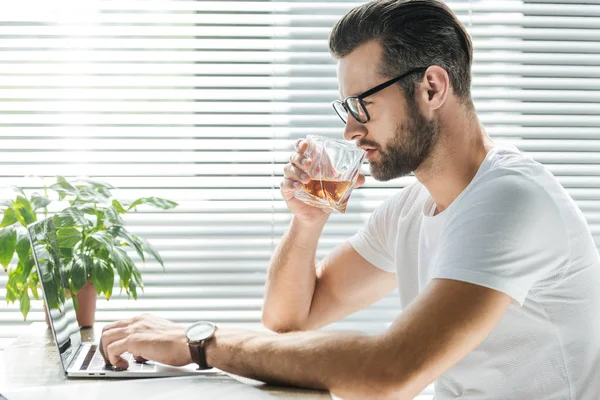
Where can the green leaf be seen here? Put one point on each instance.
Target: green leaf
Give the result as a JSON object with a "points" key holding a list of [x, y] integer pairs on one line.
{"points": [[151, 250], [63, 188], [26, 265], [17, 272], [102, 188], [87, 208], [103, 254], [92, 209], [137, 276], [23, 211], [101, 240], [9, 217], [154, 201], [81, 267], [113, 255], [133, 289], [68, 237], [112, 216], [23, 247], [24, 303], [17, 189], [66, 253], [100, 216], [103, 277], [71, 217], [87, 194], [54, 293], [38, 201], [12, 290], [118, 207], [95, 183], [8, 242], [33, 285], [119, 231], [35, 292], [123, 264]]}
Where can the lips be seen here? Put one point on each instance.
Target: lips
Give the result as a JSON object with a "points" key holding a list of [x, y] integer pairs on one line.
{"points": [[370, 151]]}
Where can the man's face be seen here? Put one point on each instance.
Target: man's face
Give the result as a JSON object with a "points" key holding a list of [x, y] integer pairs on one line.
{"points": [[398, 136]]}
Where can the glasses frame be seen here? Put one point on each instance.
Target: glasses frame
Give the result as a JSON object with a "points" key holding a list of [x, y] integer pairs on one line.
{"points": [[370, 92]]}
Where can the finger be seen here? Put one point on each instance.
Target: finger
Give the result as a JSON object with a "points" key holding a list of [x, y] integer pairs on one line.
{"points": [[115, 350], [301, 146], [289, 185], [300, 161], [110, 337], [118, 324], [360, 181], [139, 359], [102, 353], [295, 173]]}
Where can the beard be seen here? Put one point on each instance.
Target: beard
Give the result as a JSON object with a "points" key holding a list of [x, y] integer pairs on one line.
{"points": [[411, 144]]}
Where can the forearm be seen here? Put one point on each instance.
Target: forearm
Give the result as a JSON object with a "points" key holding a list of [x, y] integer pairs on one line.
{"points": [[346, 363], [291, 277]]}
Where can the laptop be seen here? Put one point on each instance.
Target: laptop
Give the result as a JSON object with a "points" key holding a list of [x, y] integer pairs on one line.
{"points": [[83, 359]]}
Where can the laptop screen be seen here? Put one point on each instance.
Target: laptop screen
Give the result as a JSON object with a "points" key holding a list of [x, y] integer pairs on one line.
{"points": [[48, 260]]}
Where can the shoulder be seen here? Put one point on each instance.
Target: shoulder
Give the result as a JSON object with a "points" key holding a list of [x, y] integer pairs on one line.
{"points": [[507, 187], [507, 199]]}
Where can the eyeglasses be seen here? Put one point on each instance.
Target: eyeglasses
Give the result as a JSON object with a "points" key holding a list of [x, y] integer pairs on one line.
{"points": [[354, 104]]}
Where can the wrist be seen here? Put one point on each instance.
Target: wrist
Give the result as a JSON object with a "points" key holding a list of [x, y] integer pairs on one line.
{"points": [[198, 336], [210, 350], [315, 224]]}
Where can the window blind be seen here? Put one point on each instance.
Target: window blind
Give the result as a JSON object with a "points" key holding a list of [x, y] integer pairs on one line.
{"points": [[200, 102]]}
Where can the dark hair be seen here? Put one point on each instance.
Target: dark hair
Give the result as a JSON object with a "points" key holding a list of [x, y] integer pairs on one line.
{"points": [[413, 33]]}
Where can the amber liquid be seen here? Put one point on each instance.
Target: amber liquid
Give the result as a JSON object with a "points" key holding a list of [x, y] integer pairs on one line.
{"points": [[329, 190]]}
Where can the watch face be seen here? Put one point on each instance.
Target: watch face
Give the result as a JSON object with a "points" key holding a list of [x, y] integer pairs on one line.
{"points": [[200, 331]]}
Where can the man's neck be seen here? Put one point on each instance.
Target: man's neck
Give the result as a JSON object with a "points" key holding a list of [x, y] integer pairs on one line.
{"points": [[456, 158]]}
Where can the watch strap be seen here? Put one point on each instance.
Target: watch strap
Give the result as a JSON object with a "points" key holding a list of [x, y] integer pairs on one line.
{"points": [[198, 354]]}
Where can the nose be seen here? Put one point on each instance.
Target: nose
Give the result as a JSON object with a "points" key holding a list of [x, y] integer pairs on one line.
{"points": [[354, 129]]}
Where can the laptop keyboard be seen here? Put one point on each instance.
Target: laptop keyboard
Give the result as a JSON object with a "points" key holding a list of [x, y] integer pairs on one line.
{"points": [[96, 362]]}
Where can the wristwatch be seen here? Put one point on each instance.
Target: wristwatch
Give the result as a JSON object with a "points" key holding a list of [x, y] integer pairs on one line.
{"points": [[197, 335]]}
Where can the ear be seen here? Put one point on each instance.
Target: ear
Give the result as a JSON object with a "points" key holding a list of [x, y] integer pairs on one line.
{"points": [[434, 89]]}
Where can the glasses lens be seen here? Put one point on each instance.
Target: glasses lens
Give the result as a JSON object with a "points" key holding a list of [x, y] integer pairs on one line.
{"points": [[340, 110], [357, 110]]}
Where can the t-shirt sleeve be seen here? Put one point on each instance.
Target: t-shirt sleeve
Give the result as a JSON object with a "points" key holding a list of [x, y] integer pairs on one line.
{"points": [[506, 234], [373, 241]]}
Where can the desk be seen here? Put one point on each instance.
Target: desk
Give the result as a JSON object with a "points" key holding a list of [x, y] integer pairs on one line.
{"points": [[33, 357]]}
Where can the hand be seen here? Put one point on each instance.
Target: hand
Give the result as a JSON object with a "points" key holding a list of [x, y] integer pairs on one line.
{"points": [[146, 337], [296, 174]]}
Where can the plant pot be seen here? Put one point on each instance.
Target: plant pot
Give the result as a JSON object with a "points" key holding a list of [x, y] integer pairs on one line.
{"points": [[86, 312]]}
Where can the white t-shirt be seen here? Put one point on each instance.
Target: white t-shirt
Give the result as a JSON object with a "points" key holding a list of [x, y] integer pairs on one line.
{"points": [[516, 230]]}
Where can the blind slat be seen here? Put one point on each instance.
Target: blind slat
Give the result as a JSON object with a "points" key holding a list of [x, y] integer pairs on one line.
{"points": [[201, 102]]}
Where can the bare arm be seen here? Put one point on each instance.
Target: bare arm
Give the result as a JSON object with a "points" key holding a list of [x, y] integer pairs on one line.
{"points": [[440, 327], [291, 278], [300, 296], [346, 283]]}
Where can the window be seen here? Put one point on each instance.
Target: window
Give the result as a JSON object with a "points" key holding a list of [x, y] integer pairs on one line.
{"points": [[201, 101]]}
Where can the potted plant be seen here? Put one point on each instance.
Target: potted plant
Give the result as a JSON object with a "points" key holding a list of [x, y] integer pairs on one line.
{"points": [[92, 241]]}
